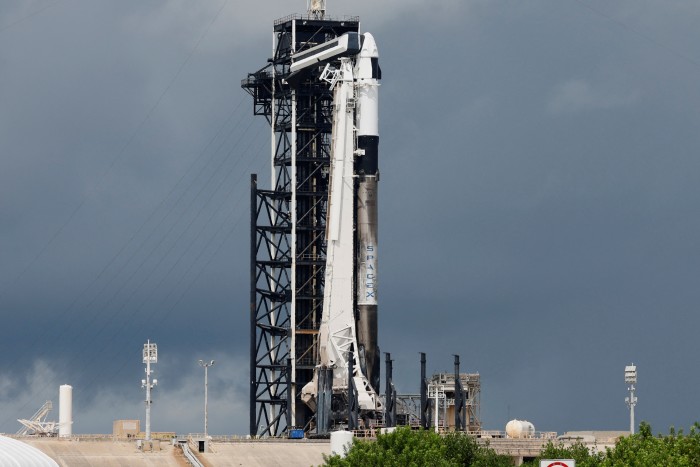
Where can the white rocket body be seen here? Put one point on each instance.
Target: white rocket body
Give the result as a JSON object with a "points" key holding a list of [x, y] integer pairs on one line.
{"points": [[367, 75]]}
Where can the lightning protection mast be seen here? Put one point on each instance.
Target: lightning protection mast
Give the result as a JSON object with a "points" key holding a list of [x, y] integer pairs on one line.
{"points": [[150, 355]]}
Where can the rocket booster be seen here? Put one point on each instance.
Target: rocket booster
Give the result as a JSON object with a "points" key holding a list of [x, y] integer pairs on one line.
{"points": [[367, 75]]}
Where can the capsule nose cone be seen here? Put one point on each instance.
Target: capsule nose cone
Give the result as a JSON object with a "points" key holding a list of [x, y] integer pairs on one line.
{"points": [[369, 47], [367, 63]]}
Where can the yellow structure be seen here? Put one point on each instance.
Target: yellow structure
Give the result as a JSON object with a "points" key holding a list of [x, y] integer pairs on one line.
{"points": [[123, 429]]}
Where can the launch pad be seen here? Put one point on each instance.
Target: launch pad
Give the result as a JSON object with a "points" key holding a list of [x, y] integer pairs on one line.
{"points": [[314, 354]]}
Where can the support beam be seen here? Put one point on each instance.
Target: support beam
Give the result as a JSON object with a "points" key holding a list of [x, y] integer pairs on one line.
{"points": [[389, 394], [252, 428], [325, 394], [352, 393], [460, 403], [424, 403]]}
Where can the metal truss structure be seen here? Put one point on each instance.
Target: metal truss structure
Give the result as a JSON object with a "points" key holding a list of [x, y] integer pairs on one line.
{"points": [[37, 424], [471, 386], [288, 224]]}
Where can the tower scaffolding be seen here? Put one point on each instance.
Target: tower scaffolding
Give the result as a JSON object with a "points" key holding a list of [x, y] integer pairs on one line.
{"points": [[471, 384], [288, 224]]}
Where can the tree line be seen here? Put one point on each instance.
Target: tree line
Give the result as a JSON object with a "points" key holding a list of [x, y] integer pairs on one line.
{"points": [[405, 447]]}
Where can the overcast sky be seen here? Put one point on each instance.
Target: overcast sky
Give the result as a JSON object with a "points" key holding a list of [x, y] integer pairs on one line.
{"points": [[539, 203]]}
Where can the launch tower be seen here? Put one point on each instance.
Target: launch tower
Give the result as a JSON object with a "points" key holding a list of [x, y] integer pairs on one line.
{"points": [[288, 223]]}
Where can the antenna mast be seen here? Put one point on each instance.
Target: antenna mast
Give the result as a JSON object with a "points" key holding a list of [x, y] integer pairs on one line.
{"points": [[631, 379], [317, 8], [150, 355]]}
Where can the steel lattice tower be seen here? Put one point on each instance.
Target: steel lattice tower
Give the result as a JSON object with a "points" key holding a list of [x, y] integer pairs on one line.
{"points": [[288, 226]]}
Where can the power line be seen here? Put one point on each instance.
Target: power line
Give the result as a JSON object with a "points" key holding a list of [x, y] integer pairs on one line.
{"points": [[118, 157], [155, 229], [162, 259], [107, 341], [30, 15], [63, 314], [156, 316]]}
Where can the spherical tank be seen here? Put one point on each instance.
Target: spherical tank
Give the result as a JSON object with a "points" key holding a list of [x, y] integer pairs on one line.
{"points": [[520, 429]]}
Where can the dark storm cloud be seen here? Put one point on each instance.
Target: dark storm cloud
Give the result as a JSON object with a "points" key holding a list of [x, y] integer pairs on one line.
{"points": [[559, 237], [538, 202]]}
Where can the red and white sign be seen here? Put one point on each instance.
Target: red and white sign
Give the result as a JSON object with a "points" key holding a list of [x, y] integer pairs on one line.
{"points": [[557, 463]]}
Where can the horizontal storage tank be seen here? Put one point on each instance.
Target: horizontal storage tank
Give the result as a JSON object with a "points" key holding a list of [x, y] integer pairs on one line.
{"points": [[520, 429]]}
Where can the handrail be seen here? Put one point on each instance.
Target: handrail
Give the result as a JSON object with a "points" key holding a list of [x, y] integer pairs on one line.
{"points": [[288, 18], [191, 458]]}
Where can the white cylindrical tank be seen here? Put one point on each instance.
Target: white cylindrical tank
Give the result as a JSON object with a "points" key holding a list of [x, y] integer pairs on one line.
{"points": [[520, 429], [341, 441], [65, 410]]}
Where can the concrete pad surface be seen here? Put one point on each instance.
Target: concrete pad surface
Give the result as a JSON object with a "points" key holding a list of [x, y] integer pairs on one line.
{"points": [[107, 453], [301, 453]]}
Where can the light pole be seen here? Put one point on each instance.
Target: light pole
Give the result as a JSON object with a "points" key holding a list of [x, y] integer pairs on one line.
{"points": [[206, 366], [631, 379]]}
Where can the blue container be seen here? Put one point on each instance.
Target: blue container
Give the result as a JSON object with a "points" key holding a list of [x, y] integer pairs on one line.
{"points": [[296, 434]]}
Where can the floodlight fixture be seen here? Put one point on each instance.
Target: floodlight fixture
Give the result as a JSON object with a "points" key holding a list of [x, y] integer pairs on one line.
{"points": [[631, 374], [150, 353]]}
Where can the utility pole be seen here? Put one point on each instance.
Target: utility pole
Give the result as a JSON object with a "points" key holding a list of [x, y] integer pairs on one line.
{"points": [[206, 366]]}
